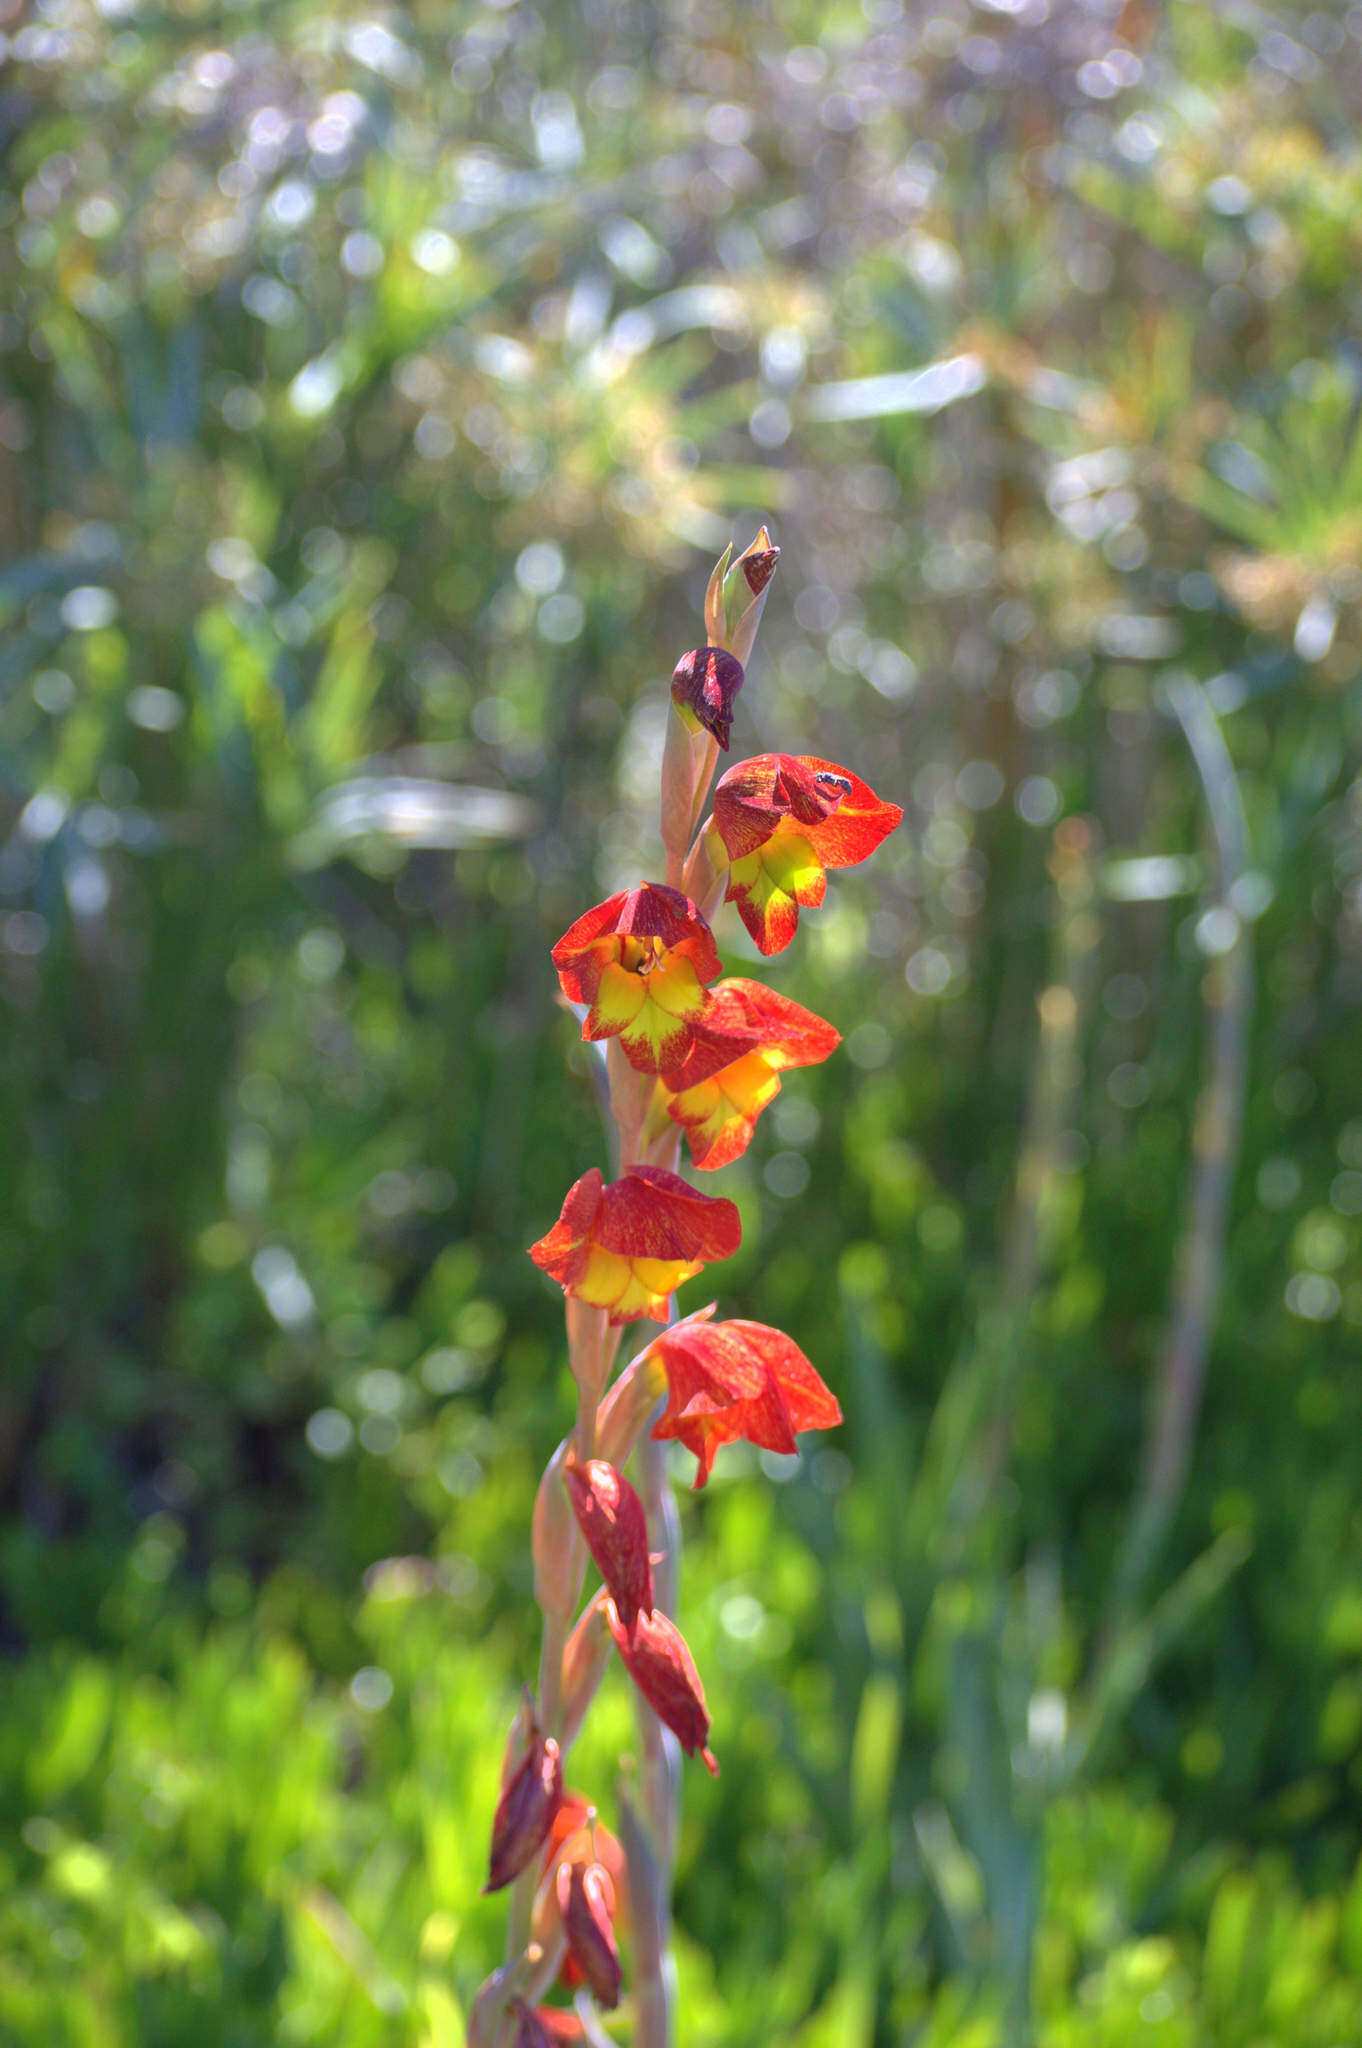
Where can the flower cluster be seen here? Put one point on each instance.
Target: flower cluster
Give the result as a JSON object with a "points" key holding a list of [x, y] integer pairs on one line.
{"points": [[689, 1055]]}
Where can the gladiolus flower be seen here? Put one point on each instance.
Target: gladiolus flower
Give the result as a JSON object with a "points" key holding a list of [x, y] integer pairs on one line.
{"points": [[586, 1902], [656, 1658], [628, 1246], [705, 686], [738, 1380], [611, 1518], [748, 1036], [780, 821], [640, 962], [526, 1811]]}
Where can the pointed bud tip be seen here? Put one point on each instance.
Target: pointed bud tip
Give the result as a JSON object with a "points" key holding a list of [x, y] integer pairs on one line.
{"points": [[759, 568]]}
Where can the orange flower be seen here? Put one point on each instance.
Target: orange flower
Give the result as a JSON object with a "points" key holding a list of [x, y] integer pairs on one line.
{"points": [[780, 821], [628, 1246], [656, 1658], [737, 1380], [747, 1037], [640, 962]]}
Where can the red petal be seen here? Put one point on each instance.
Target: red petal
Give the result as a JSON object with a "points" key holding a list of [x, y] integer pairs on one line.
{"points": [[738, 1379], [746, 1016], [559, 1253], [611, 1518], [656, 1658], [652, 1214], [858, 824]]}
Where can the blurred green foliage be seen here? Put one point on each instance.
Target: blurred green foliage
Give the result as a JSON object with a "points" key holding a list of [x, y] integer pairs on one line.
{"points": [[376, 388]]}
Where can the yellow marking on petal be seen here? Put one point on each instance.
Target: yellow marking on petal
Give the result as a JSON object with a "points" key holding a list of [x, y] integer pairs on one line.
{"points": [[675, 987], [619, 998], [737, 1094], [603, 1279]]}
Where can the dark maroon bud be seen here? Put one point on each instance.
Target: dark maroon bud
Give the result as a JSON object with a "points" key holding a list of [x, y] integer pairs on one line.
{"points": [[586, 1900], [525, 1811], [759, 569], [706, 683]]}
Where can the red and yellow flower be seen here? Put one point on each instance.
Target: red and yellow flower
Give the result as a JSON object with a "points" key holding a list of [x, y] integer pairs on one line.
{"points": [[640, 962], [627, 1246], [734, 1380], [780, 822], [749, 1035]]}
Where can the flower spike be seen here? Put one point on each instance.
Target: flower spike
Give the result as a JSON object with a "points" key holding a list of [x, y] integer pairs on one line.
{"points": [[611, 1518], [639, 962], [738, 1380], [656, 1658], [780, 821], [628, 1246], [748, 1036]]}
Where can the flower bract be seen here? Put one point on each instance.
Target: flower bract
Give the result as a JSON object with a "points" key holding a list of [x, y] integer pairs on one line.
{"points": [[738, 1380], [780, 822], [627, 1246], [749, 1035], [526, 1811], [639, 962], [657, 1659]]}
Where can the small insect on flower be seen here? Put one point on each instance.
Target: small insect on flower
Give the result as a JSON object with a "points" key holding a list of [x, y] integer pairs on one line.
{"points": [[628, 1246], [780, 822], [640, 962]]}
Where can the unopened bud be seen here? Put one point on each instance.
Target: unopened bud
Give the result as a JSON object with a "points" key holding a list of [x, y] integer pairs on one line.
{"points": [[553, 1541], [584, 1660], [526, 1809], [705, 686], [628, 1408], [748, 579], [586, 1900], [611, 1518], [657, 1659], [541, 2026]]}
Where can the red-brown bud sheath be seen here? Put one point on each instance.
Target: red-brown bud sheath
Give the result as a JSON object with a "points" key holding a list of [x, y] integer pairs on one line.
{"points": [[525, 1811], [759, 568], [610, 1516], [584, 1661], [557, 1556], [656, 1658], [542, 2026], [586, 1900], [706, 683]]}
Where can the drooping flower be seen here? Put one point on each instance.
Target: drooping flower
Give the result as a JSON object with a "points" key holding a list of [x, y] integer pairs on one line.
{"points": [[526, 1810], [586, 1902], [628, 1246], [657, 1659], [736, 1380], [748, 1036], [640, 962], [705, 686], [611, 1518], [780, 821]]}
